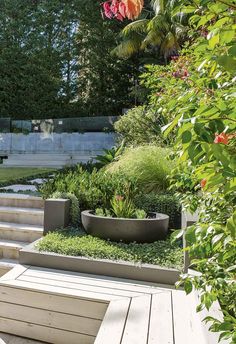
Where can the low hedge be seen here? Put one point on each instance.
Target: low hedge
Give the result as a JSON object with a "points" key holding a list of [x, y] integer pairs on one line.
{"points": [[161, 203]]}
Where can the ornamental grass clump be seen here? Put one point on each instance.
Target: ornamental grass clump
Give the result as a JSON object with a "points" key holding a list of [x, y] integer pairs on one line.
{"points": [[148, 164]]}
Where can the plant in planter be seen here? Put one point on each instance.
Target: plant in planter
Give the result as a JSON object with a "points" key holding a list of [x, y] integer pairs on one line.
{"points": [[124, 222], [122, 207]]}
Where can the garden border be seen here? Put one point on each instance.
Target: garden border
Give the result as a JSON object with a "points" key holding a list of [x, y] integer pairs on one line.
{"points": [[145, 272]]}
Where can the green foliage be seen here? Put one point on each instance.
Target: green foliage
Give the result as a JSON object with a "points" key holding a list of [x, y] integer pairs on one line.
{"points": [[141, 125], [122, 207], [156, 30], [200, 90], [110, 155], [55, 61], [76, 243], [147, 164], [38, 46], [161, 203], [101, 89], [74, 205], [93, 189]]}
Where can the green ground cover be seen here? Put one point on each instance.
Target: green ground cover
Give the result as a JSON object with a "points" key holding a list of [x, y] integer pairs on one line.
{"points": [[18, 174], [75, 242]]}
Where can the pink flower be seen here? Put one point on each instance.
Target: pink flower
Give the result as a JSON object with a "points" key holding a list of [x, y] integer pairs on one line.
{"points": [[114, 7], [122, 9], [119, 17], [107, 9]]}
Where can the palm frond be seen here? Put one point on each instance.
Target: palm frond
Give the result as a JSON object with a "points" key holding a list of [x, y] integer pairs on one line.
{"points": [[128, 47], [158, 23], [158, 6], [136, 26], [153, 38]]}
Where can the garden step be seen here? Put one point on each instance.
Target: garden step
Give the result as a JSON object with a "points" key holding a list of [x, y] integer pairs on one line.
{"points": [[23, 201], [6, 265], [22, 215], [10, 248], [21, 232], [48, 160]]}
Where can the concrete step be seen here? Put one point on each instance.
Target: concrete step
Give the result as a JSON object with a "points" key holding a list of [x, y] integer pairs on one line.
{"points": [[22, 215], [22, 201], [10, 249], [21, 232], [6, 265], [49, 160]]}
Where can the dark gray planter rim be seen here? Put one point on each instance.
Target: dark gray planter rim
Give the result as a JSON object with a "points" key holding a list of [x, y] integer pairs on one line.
{"points": [[160, 216], [120, 269]]}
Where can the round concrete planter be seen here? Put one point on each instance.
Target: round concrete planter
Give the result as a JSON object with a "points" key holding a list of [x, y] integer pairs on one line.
{"points": [[127, 230]]}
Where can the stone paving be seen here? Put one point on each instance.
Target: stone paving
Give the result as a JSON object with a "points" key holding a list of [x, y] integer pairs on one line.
{"points": [[18, 188]]}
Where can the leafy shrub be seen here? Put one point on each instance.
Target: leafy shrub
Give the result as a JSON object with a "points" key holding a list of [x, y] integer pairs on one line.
{"points": [[76, 243], [141, 125], [161, 203], [148, 164], [93, 190]]}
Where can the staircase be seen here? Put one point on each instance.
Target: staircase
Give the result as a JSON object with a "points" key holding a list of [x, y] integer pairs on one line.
{"points": [[21, 222]]}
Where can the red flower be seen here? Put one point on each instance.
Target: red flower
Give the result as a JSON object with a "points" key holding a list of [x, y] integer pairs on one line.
{"points": [[186, 73], [222, 138], [203, 183]]}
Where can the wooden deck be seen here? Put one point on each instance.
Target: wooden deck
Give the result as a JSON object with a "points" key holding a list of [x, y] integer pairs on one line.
{"points": [[61, 307]]}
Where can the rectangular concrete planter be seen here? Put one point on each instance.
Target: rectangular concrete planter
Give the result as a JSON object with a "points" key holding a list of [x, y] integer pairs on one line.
{"points": [[145, 272]]}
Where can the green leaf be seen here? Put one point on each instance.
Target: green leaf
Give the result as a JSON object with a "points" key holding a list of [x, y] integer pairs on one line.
{"points": [[169, 127], [188, 287], [186, 136], [228, 62], [213, 38], [226, 36], [217, 238]]}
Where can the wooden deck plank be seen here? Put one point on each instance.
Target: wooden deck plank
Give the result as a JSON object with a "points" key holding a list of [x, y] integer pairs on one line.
{"points": [[111, 279], [137, 324], [85, 279], [42, 333], [215, 311], [42, 317], [81, 294], [161, 322], [86, 287], [114, 322], [67, 304], [187, 325], [14, 273]]}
